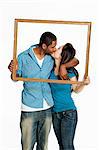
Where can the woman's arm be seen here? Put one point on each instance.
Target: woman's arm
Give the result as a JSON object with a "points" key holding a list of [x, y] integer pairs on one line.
{"points": [[57, 65], [57, 57], [79, 87]]}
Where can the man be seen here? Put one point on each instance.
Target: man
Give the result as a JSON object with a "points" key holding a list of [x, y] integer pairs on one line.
{"points": [[36, 118]]}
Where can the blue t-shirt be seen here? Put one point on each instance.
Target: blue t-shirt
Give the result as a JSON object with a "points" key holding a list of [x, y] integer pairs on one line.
{"points": [[62, 94]]}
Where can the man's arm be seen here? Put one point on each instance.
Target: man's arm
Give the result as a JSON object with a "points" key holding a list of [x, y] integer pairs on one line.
{"points": [[72, 63], [63, 72]]}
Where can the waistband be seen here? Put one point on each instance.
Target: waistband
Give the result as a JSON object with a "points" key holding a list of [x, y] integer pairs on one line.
{"points": [[66, 111]]}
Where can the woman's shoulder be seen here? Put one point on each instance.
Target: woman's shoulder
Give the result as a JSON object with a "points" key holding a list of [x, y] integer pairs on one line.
{"points": [[71, 72]]}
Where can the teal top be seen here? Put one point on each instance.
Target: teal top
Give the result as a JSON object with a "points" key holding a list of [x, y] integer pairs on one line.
{"points": [[62, 94]]}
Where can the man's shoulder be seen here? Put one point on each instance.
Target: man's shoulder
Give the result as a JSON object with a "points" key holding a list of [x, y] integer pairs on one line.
{"points": [[25, 52], [49, 57]]}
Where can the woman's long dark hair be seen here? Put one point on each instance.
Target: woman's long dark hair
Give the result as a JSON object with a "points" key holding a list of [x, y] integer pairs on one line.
{"points": [[68, 53]]}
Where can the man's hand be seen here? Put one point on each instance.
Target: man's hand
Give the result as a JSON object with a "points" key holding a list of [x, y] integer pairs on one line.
{"points": [[11, 65]]}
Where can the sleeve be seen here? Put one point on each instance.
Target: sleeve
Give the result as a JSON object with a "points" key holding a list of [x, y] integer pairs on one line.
{"points": [[53, 76], [19, 71], [71, 75]]}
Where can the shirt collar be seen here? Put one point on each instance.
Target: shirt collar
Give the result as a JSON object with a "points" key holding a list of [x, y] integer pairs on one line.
{"points": [[31, 52]]}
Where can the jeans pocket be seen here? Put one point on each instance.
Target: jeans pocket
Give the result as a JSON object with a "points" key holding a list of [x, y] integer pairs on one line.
{"points": [[25, 115], [72, 114]]}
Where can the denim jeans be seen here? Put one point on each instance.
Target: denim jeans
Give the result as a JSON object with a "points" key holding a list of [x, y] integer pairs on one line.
{"points": [[64, 124], [35, 127]]}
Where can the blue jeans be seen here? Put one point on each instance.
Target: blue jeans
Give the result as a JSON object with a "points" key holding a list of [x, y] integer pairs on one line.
{"points": [[64, 124], [35, 127]]}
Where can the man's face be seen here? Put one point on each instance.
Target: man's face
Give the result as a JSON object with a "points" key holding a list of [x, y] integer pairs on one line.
{"points": [[51, 48]]}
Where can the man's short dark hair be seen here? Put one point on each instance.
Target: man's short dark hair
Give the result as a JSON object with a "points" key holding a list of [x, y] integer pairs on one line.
{"points": [[47, 38]]}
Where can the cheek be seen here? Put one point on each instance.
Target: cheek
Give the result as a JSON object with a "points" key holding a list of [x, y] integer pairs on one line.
{"points": [[49, 50]]}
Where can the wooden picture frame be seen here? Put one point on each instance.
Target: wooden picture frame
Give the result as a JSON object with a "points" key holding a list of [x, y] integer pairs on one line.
{"points": [[49, 22]]}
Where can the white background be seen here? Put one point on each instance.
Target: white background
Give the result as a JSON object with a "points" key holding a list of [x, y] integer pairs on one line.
{"points": [[86, 137]]}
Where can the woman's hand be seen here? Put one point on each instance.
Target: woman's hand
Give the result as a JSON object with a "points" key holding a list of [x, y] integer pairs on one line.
{"points": [[86, 81], [79, 86]]}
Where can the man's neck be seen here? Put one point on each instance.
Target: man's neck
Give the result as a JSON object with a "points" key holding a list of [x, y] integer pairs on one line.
{"points": [[39, 52]]}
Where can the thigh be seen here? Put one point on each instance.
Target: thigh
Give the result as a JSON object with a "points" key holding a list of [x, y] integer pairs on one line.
{"points": [[44, 126], [28, 126], [56, 119], [68, 127]]}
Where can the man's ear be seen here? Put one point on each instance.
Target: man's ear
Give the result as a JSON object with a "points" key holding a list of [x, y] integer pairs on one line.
{"points": [[44, 46]]}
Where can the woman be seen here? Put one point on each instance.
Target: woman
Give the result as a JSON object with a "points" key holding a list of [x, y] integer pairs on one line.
{"points": [[64, 110]]}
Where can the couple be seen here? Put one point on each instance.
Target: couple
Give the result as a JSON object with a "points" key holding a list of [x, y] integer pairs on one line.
{"points": [[44, 103]]}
